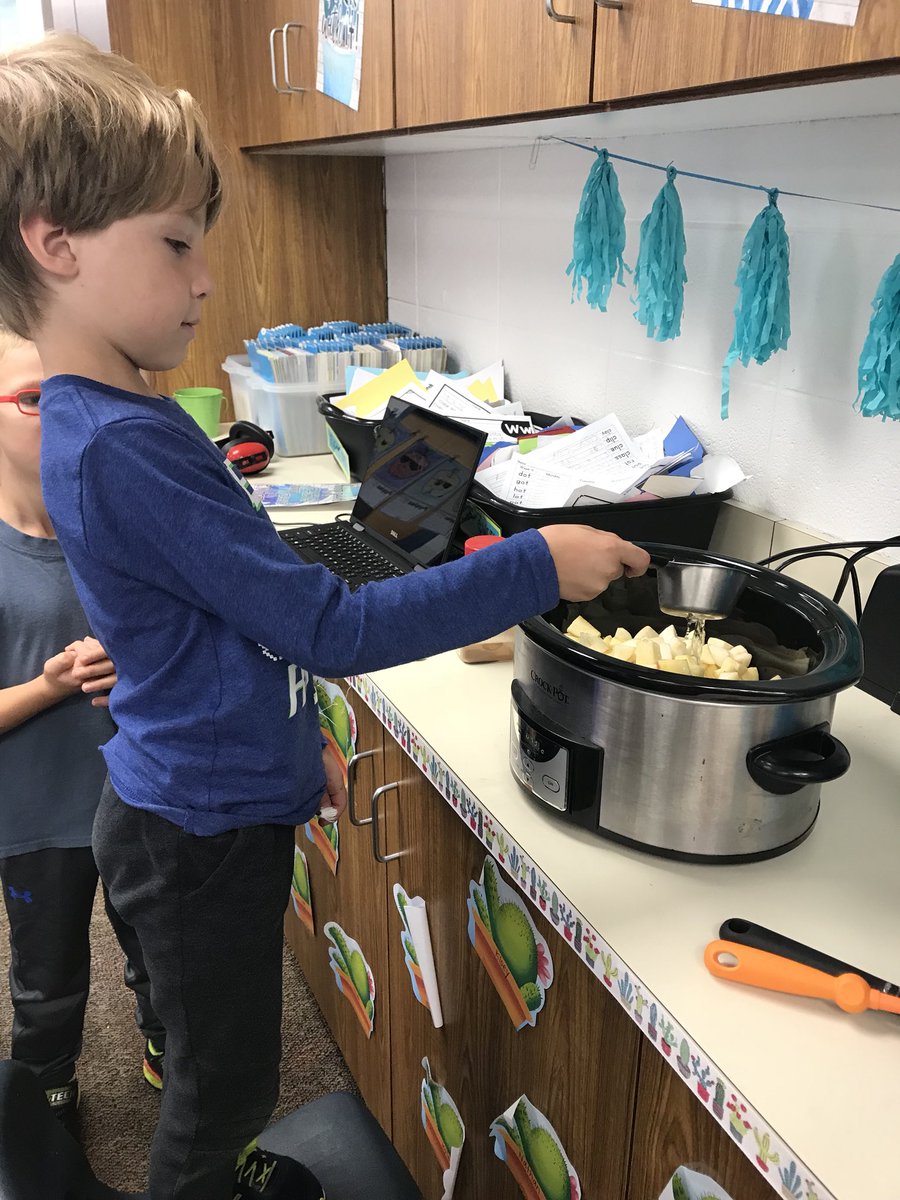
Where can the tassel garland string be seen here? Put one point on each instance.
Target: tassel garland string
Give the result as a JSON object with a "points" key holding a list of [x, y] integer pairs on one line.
{"points": [[762, 314]]}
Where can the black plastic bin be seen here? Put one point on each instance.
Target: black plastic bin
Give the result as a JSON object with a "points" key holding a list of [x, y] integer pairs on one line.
{"points": [[684, 521], [355, 434]]}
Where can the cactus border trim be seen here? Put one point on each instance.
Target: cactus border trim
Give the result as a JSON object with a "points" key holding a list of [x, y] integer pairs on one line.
{"points": [[594, 949]]}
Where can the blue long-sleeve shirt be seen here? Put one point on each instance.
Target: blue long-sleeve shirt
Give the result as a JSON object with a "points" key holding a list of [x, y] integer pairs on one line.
{"points": [[216, 627]]}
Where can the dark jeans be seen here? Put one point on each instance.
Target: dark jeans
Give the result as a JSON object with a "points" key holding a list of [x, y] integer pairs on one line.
{"points": [[49, 897], [209, 914]]}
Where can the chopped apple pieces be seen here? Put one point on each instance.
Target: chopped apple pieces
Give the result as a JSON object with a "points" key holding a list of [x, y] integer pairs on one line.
{"points": [[667, 651]]}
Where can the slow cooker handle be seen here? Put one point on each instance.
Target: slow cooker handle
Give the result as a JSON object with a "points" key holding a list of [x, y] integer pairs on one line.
{"points": [[786, 765]]}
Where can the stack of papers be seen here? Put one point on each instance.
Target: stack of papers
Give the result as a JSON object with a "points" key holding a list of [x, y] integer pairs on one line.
{"points": [[598, 463], [477, 399], [561, 466]]}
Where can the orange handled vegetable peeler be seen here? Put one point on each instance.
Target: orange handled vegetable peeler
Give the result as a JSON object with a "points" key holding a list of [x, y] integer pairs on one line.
{"points": [[758, 968]]}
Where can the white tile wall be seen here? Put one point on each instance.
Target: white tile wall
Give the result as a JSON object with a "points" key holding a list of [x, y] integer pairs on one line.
{"points": [[478, 243]]}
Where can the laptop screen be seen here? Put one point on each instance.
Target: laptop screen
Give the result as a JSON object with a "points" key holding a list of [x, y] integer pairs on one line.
{"points": [[417, 480]]}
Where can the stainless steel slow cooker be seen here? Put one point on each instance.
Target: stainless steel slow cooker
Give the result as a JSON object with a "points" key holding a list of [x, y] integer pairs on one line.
{"points": [[693, 768]]}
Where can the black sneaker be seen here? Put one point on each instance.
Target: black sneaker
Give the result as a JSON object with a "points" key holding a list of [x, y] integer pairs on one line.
{"points": [[153, 1065], [273, 1176], [63, 1100]]}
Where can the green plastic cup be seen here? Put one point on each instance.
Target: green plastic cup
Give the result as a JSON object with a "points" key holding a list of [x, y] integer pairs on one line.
{"points": [[204, 404]]}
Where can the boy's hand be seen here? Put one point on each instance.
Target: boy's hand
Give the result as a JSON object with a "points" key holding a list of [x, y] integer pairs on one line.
{"points": [[58, 674], [335, 795], [92, 669], [588, 560]]}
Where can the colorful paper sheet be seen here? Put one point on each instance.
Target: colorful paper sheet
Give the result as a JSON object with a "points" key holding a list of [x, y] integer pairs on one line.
{"points": [[417, 952], [339, 61], [373, 395], [835, 12]]}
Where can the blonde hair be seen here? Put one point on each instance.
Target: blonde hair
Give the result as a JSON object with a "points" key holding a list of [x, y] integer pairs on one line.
{"points": [[86, 139], [10, 341]]}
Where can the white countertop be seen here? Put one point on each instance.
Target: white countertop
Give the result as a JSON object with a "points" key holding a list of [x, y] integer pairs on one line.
{"points": [[825, 1081]]}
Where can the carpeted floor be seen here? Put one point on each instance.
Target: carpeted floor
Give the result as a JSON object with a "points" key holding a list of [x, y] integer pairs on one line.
{"points": [[118, 1109]]}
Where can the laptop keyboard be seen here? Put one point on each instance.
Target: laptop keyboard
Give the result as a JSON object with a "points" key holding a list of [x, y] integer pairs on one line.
{"points": [[342, 553]]}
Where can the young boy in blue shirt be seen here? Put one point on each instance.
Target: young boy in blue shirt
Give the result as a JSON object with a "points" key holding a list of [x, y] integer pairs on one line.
{"points": [[51, 768], [216, 627]]}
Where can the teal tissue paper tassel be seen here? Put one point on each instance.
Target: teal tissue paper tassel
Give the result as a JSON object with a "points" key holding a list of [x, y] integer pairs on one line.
{"points": [[659, 275], [599, 239], [762, 318], [879, 363]]}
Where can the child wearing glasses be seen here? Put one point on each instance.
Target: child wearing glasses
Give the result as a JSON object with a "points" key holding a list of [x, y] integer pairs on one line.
{"points": [[53, 718]]}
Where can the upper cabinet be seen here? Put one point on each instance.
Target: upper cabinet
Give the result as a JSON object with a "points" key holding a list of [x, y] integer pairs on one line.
{"points": [[274, 96], [649, 47], [468, 60]]}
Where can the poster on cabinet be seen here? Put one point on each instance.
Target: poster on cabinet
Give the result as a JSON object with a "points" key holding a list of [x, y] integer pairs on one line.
{"points": [[529, 1145], [352, 975], [686, 1184], [339, 64], [443, 1127], [834, 12], [301, 894], [506, 940]]}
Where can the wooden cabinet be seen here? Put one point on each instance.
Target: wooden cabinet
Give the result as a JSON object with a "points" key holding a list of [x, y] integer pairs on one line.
{"points": [[275, 95], [468, 61], [578, 1065], [355, 898], [298, 239], [672, 1129], [649, 47]]}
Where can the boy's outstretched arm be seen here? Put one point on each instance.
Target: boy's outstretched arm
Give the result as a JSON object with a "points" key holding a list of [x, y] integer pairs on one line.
{"points": [[173, 519]]}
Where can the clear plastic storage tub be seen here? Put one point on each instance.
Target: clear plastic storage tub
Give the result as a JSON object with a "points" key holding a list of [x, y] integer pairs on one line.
{"points": [[240, 377], [290, 411]]}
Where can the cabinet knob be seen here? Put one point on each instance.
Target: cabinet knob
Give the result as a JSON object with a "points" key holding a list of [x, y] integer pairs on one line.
{"points": [[273, 33], [376, 850], [351, 772], [563, 18], [291, 87]]}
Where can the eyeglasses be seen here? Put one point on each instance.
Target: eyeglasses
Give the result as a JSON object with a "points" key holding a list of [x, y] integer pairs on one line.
{"points": [[27, 401]]}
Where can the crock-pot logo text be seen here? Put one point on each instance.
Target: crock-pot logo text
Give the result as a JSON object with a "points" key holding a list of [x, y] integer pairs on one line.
{"points": [[554, 692]]}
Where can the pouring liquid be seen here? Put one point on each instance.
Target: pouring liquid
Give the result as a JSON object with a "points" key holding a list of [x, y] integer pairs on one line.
{"points": [[695, 635]]}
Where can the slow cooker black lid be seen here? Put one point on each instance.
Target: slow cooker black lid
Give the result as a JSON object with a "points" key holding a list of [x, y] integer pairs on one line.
{"points": [[840, 663]]}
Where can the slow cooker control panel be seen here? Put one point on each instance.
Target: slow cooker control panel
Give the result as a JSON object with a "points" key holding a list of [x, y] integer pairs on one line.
{"points": [[538, 762], [556, 769]]}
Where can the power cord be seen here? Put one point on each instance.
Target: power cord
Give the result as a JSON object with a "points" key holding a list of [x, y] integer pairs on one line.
{"points": [[830, 550]]}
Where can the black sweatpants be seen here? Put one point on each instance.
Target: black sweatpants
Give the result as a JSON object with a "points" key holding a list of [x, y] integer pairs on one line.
{"points": [[49, 898], [208, 912]]}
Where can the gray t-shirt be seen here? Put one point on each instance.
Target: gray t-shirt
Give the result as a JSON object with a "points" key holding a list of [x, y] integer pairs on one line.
{"points": [[51, 769]]}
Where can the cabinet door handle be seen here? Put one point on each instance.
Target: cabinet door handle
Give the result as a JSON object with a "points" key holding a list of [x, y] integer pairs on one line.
{"points": [[376, 796], [273, 33], [555, 16], [351, 810], [610, 4], [291, 87]]}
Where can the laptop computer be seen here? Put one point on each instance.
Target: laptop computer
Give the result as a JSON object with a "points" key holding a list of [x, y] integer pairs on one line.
{"points": [[410, 500]]}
